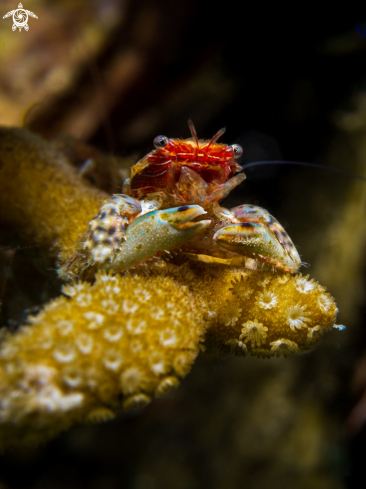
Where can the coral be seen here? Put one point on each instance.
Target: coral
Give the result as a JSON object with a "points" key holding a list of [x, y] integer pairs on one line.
{"points": [[272, 316], [136, 336], [41, 196], [133, 335], [254, 332], [84, 351]]}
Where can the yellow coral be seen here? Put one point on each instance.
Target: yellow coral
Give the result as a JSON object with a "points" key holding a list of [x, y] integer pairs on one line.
{"points": [[41, 195], [279, 314], [137, 335], [81, 353]]}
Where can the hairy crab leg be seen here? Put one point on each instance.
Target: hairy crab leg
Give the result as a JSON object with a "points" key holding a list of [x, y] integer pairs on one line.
{"points": [[255, 233], [155, 232], [109, 226], [105, 234]]}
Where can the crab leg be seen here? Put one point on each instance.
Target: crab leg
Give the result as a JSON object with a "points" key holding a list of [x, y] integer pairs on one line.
{"points": [[255, 233], [108, 227], [193, 189], [157, 231]]}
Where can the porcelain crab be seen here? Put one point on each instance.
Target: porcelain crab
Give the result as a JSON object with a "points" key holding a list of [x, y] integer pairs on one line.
{"points": [[194, 175]]}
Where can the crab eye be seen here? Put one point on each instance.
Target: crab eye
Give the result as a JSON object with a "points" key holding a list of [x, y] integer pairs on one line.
{"points": [[238, 150], [160, 141]]}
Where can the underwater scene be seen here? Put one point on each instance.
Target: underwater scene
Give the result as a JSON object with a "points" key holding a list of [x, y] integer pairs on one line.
{"points": [[182, 246]]}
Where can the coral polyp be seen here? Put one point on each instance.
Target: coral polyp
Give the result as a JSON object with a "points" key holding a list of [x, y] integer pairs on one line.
{"points": [[253, 332]]}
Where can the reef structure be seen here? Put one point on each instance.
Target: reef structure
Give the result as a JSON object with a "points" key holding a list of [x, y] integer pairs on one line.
{"points": [[118, 342], [43, 198], [123, 340]]}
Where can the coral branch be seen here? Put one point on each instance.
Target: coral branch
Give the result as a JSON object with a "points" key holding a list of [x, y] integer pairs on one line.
{"points": [[41, 195], [135, 336], [259, 312], [127, 336]]}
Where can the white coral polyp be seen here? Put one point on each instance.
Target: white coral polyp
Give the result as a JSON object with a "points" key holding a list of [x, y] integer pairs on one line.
{"points": [[84, 343], [244, 293], [50, 398], [231, 312], [158, 368], [113, 333], [267, 300], [64, 354], [167, 338], [131, 380], [241, 288], [263, 282], [112, 360], [325, 303], [296, 317], [304, 286], [312, 331], [284, 347], [254, 332], [129, 306]]}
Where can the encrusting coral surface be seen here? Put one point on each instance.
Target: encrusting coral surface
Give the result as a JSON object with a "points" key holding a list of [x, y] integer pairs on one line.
{"points": [[123, 339], [42, 196], [136, 336], [132, 336]]}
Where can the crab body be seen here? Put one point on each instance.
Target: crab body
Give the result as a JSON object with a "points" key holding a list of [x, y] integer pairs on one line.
{"points": [[194, 175], [161, 169], [189, 171]]}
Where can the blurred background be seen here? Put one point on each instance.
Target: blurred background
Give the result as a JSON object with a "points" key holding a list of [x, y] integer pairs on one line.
{"points": [[102, 79]]}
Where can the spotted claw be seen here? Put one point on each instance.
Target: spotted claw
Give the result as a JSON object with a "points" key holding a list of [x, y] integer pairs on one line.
{"points": [[156, 231]]}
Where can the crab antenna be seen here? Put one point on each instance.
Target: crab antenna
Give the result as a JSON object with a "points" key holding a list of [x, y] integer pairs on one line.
{"points": [[193, 131], [300, 163], [216, 137]]}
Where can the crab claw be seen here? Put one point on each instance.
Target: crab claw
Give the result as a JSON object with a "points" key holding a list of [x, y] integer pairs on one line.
{"points": [[257, 241], [157, 231]]}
